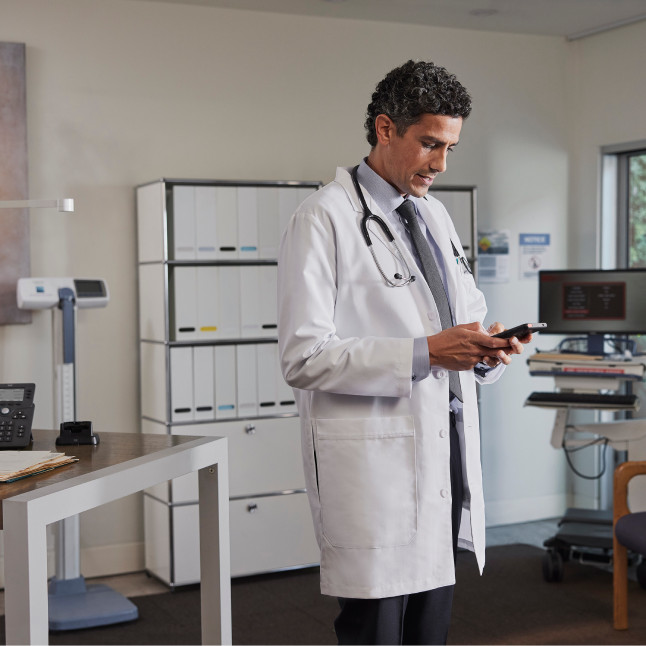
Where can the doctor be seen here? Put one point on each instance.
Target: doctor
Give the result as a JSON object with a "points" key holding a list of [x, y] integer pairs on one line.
{"points": [[381, 337]]}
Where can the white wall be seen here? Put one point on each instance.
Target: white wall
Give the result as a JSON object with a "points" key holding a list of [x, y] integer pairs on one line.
{"points": [[120, 93]]}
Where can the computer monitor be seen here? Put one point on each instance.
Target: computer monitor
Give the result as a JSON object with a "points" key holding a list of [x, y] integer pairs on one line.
{"points": [[593, 302]]}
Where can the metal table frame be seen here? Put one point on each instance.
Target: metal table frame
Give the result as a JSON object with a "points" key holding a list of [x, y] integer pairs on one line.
{"points": [[26, 516]]}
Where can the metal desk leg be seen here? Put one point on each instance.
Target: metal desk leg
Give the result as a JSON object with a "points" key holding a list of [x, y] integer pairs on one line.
{"points": [[25, 557], [215, 567]]}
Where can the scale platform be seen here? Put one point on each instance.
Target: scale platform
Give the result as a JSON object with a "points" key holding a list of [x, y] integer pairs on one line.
{"points": [[74, 605]]}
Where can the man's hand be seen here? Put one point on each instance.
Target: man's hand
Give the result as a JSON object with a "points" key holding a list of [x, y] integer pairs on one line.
{"points": [[515, 347], [463, 346]]}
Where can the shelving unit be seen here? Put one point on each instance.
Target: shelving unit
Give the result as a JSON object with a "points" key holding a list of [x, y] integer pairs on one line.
{"points": [[209, 366]]}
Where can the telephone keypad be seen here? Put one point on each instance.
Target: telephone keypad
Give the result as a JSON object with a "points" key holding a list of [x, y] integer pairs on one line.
{"points": [[16, 415]]}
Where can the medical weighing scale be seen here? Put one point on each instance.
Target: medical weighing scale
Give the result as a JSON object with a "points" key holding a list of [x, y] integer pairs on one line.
{"points": [[72, 603]]}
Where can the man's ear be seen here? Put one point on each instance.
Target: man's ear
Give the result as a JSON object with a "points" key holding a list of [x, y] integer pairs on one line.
{"points": [[384, 129]]}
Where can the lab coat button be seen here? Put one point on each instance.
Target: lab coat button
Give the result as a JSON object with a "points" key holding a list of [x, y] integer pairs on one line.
{"points": [[444, 493], [443, 433], [440, 374]]}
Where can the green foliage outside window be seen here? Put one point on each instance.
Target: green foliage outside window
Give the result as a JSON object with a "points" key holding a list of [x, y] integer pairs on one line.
{"points": [[637, 211]]}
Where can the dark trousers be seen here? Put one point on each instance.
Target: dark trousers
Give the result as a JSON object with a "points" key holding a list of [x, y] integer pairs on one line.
{"points": [[420, 618]]}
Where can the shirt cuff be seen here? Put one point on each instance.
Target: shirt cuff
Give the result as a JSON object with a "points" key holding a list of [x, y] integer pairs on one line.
{"points": [[421, 364], [481, 369]]}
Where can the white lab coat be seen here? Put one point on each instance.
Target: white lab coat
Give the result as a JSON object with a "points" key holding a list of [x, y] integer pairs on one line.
{"points": [[375, 443]]}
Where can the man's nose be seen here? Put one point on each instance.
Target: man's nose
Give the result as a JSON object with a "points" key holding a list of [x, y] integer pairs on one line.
{"points": [[437, 163]]}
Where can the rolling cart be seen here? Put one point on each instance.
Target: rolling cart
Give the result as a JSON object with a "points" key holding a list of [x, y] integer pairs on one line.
{"points": [[586, 535]]}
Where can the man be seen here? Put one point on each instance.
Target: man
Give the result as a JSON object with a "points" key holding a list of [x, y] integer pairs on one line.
{"points": [[383, 343]]}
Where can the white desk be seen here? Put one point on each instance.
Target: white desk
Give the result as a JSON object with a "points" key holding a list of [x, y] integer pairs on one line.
{"points": [[120, 465]]}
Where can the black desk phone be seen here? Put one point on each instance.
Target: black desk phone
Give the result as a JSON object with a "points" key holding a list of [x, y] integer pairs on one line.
{"points": [[16, 415]]}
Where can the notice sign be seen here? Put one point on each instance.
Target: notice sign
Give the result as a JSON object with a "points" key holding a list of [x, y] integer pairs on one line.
{"points": [[534, 253]]}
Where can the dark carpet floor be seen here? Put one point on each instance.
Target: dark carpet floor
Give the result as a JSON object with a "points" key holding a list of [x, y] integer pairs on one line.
{"points": [[510, 604]]}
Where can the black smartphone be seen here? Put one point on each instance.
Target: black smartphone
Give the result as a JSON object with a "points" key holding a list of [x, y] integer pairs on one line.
{"points": [[521, 330]]}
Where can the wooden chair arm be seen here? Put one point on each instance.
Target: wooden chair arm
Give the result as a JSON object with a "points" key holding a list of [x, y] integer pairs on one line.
{"points": [[623, 474]]}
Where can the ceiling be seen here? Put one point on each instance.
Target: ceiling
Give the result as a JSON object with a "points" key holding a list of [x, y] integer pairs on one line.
{"points": [[571, 19]]}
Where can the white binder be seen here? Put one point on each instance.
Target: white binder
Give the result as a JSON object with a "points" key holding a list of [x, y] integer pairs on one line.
{"points": [[184, 223], [226, 214], [250, 325], [185, 303], [181, 384], [207, 299], [228, 294], [203, 383], [247, 380], [224, 359], [247, 222], [268, 300], [205, 223], [266, 355], [268, 223]]}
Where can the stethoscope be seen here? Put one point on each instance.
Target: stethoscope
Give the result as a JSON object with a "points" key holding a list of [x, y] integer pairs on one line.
{"points": [[400, 280]]}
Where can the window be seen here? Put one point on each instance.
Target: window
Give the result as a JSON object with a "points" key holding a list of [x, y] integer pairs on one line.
{"points": [[623, 206], [623, 215], [636, 209]]}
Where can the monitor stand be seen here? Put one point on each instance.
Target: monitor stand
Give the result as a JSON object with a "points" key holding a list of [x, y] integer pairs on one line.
{"points": [[596, 344]]}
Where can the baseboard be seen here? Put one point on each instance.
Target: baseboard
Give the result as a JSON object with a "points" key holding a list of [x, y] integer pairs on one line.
{"points": [[107, 560], [524, 510]]}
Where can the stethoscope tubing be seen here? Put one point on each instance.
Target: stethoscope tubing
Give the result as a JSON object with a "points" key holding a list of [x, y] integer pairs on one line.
{"points": [[368, 215]]}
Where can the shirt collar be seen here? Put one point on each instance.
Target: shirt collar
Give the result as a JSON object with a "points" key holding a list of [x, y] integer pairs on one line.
{"points": [[384, 194]]}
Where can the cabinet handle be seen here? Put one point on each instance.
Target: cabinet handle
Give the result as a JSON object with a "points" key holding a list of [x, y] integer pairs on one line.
{"points": [[252, 508], [250, 429]]}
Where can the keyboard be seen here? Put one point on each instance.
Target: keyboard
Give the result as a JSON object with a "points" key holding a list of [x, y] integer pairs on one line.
{"points": [[583, 400]]}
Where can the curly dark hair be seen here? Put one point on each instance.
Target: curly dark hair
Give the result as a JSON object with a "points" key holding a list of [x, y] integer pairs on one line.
{"points": [[414, 89]]}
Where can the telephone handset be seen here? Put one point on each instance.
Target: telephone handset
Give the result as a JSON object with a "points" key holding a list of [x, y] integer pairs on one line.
{"points": [[16, 415]]}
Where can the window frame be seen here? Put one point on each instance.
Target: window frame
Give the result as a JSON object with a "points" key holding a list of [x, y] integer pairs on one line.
{"points": [[614, 234]]}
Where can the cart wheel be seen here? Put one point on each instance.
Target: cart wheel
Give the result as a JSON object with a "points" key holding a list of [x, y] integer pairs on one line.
{"points": [[640, 571], [552, 566]]}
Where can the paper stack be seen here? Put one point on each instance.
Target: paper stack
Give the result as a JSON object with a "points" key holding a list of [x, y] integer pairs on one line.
{"points": [[572, 365], [20, 464]]}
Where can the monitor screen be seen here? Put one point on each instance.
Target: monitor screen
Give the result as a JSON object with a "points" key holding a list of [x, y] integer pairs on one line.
{"points": [[593, 301]]}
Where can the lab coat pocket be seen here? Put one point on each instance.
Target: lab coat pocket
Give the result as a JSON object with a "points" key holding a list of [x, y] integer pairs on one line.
{"points": [[367, 481]]}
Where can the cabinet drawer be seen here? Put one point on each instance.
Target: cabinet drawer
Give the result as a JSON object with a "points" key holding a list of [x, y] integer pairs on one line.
{"points": [[264, 456], [271, 533], [267, 533]]}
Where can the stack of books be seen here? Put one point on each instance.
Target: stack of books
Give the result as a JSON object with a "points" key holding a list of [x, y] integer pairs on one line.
{"points": [[15, 465]]}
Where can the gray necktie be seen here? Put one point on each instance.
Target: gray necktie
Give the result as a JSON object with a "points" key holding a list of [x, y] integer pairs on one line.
{"points": [[429, 268]]}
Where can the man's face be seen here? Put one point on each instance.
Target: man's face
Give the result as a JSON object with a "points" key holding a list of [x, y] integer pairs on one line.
{"points": [[411, 162]]}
